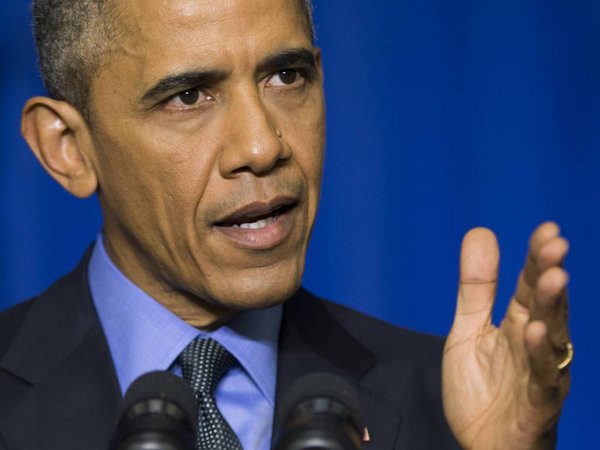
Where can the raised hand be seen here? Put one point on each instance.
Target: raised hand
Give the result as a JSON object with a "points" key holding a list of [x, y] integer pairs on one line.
{"points": [[504, 387]]}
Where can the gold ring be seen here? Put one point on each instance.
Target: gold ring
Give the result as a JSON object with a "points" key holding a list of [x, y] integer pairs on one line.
{"points": [[565, 363]]}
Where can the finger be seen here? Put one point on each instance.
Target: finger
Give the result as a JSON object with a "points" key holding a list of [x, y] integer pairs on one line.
{"points": [[478, 279], [546, 248], [542, 234], [547, 384], [552, 253], [550, 305]]}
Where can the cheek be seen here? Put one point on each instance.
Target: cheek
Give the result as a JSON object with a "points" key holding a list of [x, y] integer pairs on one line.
{"points": [[309, 144], [155, 172]]}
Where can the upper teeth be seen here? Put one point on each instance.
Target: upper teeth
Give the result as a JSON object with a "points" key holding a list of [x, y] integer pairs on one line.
{"points": [[258, 224]]}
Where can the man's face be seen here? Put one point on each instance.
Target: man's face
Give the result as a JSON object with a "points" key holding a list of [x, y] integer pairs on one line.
{"points": [[208, 124]]}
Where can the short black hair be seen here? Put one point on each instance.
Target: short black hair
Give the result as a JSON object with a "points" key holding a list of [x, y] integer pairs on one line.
{"points": [[72, 38]]}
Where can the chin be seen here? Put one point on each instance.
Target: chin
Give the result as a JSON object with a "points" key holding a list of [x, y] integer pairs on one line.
{"points": [[257, 293]]}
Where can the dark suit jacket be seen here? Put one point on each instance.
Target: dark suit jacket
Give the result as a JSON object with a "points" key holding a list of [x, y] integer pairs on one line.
{"points": [[59, 391]]}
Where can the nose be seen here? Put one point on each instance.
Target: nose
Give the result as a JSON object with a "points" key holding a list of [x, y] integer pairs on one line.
{"points": [[255, 143]]}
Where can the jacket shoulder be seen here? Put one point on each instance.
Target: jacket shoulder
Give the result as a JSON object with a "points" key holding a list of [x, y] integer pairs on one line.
{"points": [[384, 338]]}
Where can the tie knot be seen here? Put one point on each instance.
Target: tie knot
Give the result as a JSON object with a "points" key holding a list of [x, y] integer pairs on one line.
{"points": [[203, 363]]}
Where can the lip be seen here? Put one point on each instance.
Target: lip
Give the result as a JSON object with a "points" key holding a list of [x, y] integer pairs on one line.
{"points": [[257, 209], [283, 211]]}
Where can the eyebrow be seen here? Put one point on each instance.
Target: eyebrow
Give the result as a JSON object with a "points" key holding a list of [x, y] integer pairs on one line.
{"points": [[171, 84], [178, 82], [288, 59]]}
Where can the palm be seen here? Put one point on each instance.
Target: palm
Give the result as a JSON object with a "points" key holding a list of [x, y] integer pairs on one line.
{"points": [[501, 387]]}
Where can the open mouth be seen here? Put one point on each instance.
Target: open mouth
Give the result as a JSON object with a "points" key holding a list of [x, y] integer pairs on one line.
{"points": [[261, 225], [257, 215]]}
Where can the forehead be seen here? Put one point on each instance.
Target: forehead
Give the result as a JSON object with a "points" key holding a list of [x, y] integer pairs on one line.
{"points": [[207, 29]]}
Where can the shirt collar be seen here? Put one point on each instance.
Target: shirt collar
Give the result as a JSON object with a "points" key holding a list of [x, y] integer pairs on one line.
{"points": [[144, 336]]}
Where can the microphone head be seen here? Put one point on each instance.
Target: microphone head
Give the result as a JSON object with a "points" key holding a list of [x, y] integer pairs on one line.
{"points": [[159, 409], [322, 411], [160, 385]]}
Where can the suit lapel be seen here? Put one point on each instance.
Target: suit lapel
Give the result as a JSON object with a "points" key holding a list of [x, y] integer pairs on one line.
{"points": [[60, 384], [313, 340]]}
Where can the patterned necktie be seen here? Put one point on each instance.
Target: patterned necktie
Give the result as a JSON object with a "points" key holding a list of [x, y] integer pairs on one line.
{"points": [[203, 363]]}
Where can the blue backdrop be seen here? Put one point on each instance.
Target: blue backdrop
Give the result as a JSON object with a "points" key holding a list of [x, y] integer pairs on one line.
{"points": [[442, 116]]}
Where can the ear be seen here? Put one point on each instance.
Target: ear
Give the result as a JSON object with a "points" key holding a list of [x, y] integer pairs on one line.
{"points": [[59, 137]]}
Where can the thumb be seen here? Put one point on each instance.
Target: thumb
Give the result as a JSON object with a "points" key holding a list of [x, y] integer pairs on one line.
{"points": [[479, 260]]}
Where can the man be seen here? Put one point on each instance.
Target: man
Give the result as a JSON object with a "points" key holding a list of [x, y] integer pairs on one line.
{"points": [[200, 124]]}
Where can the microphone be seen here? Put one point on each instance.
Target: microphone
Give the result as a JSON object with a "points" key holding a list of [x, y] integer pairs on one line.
{"points": [[158, 413], [322, 412]]}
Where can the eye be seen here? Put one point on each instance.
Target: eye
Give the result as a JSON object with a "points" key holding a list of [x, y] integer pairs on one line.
{"points": [[286, 77], [188, 99]]}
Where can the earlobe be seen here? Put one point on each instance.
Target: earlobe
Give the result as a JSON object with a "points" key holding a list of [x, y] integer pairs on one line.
{"points": [[59, 137]]}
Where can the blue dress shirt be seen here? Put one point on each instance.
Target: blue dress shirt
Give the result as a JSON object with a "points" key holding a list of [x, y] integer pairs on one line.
{"points": [[144, 336]]}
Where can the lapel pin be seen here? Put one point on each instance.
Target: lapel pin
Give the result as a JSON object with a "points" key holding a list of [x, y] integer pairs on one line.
{"points": [[366, 436]]}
